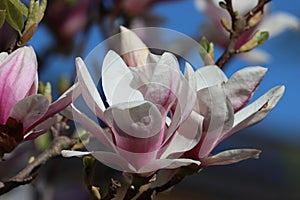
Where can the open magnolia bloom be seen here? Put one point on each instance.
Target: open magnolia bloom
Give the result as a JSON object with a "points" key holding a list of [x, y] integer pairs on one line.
{"points": [[222, 104], [144, 112], [274, 23], [24, 113]]}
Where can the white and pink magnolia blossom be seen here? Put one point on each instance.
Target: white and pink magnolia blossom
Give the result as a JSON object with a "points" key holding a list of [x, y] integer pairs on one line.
{"points": [[274, 23], [222, 103], [24, 113], [148, 101]]}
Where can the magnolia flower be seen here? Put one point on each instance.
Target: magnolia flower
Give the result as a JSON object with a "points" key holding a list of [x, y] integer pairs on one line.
{"points": [[148, 102], [24, 114], [222, 104], [274, 23]]}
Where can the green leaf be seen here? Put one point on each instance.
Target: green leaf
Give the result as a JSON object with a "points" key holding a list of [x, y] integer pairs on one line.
{"points": [[20, 6], [14, 16], [2, 17]]}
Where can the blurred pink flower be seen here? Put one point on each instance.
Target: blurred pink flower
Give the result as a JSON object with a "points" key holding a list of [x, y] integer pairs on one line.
{"points": [[274, 23], [148, 101], [136, 7], [66, 19], [222, 104]]}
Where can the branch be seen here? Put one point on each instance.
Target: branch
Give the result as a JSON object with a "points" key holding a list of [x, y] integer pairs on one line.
{"points": [[239, 26], [26, 175]]}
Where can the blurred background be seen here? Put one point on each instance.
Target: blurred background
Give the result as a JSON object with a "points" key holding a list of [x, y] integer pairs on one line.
{"points": [[73, 28]]}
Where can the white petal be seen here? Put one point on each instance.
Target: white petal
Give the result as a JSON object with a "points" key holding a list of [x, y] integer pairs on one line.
{"points": [[116, 80], [256, 111], [278, 22], [256, 56], [209, 76], [167, 164], [218, 117], [88, 89], [133, 50], [186, 137], [94, 128], [69, 153], [138, 119]]}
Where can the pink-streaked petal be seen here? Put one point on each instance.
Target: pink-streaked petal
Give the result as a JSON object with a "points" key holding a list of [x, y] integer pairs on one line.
{"points": [[41, 128], [116, 80], [186, 98], [29, 110], [256, 111], [88, 89], [278, 22], [60, 104], [17, 74], [219, 116], [136, 126], [186, 137], [242, 85], [208, 76], [34, 88], [94, 128], [230, 157], [167, 164], [134, 51], [165, 83]]}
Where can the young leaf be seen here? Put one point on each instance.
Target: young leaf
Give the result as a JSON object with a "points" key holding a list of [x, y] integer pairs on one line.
{"points": [[2, 17], [14, 16], [20, 6]]}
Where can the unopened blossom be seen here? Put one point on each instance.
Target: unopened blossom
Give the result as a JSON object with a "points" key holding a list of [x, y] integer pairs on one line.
{"points": [[24, 113], [274, 23], [148, 101], [223, 104]]}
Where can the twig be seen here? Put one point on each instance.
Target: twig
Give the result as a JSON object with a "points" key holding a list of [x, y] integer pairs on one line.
{"points": [[177, 178], [239, 26], [26, 175]]}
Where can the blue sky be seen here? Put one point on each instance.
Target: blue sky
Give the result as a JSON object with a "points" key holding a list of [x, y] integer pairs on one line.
{"points": [[283, 123]]}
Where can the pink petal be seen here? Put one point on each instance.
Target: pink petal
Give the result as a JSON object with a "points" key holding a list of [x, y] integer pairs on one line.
{"points": [[136, 126], [41, 128], [242, 85], [17, 73], [60, 104]]}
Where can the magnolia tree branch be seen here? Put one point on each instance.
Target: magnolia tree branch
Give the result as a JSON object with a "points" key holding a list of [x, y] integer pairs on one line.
{"points": [[238, 27], [26, 175]]}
